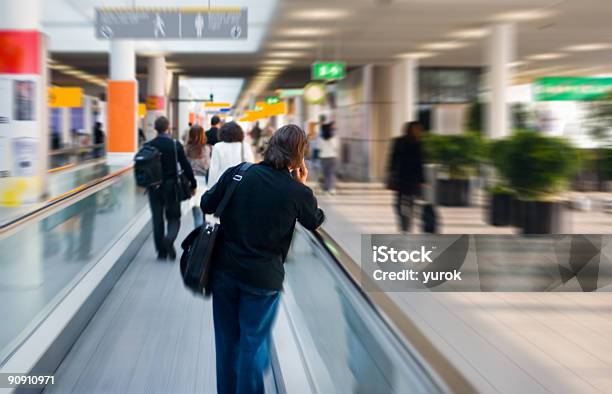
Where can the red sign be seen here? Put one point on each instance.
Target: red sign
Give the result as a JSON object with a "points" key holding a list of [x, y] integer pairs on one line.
{"points": [[155, 102], [19, 52]]}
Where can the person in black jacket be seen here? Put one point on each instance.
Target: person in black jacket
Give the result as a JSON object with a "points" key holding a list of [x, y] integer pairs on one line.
{"points": [[405, 172], [253, 241], [164, 199], [212, 134]]}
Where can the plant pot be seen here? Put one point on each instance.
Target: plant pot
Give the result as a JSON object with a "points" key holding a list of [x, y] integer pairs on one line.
{"points": [[453, 192], [516, 212], [543, 217], [500, 209]]}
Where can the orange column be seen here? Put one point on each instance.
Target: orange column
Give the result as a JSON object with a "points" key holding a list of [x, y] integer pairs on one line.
{"points": [[122, 110]]}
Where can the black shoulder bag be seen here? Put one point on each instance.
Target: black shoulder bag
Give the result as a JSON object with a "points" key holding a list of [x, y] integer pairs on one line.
{"points": [[196, 260], [183, 188]]}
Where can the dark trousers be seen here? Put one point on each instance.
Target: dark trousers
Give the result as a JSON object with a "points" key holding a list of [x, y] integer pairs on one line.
{"points": [[243, 317], [328, 165], [164, 204], [404, 207]]}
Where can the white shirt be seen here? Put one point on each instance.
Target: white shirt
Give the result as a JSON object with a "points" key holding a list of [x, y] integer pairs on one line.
{"points": [[226, 155], [328, 148]]}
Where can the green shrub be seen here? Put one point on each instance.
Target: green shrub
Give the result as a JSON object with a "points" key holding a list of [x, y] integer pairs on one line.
{"points": [[535, 165], [457, 154], [606, 159]]}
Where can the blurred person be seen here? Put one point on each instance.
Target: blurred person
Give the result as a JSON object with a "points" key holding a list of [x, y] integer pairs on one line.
{"points": [[98, 139], [405, 172], [185, 135], [255, 134], [328, 145], [164, 200], [212, 134], [198, 154], [142, 138], [228, 152], [252, 245]]}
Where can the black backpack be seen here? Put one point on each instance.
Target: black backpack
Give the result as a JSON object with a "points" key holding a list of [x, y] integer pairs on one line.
{"points": [[147, 167]]}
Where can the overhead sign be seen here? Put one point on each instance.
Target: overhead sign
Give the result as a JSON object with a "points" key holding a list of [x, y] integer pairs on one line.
{"points": [[328, 70], [571, 88], [172, 23], [314, 93], [65, 97], [272, 100], [217, 104], [287, 93], [155, 103]]}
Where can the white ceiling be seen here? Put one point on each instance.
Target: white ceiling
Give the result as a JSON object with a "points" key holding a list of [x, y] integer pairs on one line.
{"points": [[223, 89], [70, 25]]}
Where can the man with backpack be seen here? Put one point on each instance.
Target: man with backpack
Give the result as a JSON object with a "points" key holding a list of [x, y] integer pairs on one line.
{"points": [[157, 169]]}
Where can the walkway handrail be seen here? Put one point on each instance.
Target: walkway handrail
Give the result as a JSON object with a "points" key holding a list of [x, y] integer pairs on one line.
{"points": [[63, 199], [439, 369]]}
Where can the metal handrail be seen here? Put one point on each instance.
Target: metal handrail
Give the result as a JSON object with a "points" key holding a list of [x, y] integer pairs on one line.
{"points": [[63, 199], [437, 366]]}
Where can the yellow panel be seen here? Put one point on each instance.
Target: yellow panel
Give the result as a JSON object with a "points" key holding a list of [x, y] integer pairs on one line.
{"points": [[142, 110], [217, 104], [65, 97]]}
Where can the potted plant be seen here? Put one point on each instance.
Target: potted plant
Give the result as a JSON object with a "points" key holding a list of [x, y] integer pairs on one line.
{"points": [[538, 168], [458, 156], [501, 195]]}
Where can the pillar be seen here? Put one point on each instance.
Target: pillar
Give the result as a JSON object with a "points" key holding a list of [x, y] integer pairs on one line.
{"points": [[405, 92], [501, 55], [24, 135], [122, 106], [156, 92], [23, 103]]}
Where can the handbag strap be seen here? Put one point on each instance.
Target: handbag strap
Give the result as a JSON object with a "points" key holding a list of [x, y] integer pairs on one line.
{"points": [[231, 188], [178, 169]]}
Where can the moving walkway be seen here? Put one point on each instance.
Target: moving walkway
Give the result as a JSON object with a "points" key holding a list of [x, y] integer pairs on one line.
{"points": [[88, 303]]}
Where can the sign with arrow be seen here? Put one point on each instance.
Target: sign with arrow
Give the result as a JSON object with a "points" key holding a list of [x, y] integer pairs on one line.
{"points": [[328, 71]]}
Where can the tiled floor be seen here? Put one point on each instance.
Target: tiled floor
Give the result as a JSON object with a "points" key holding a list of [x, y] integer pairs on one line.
{"points": [[502, 342]]}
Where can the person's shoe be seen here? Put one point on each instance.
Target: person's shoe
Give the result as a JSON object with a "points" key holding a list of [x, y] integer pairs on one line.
{"points": [[161, 256], [171, 251]]}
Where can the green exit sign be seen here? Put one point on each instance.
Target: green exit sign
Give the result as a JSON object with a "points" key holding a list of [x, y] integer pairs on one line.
{"points": [[328, 70], [272, 100]]}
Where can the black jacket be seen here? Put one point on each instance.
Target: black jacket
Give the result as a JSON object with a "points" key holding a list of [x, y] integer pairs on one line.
{"points": [[257, 224], [212, 135], [166, 145], [405, 168]]}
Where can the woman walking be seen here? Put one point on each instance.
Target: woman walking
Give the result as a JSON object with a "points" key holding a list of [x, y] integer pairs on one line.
{"points": [[231, 150], [198, 154], [328, 145]]}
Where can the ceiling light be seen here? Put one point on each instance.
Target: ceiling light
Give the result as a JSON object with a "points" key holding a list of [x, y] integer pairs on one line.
{"points": [[277, 61], [418, 55], [292, 44], [522, 16], [469, 33], [305, 32], [272, 68], [588, 47], [546, 56], [60, 67], [519, 63], [285, 54], [320, 14], [440, 46]]}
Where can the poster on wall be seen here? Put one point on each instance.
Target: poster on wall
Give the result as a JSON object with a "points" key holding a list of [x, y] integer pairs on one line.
{"points": [[24, 156], [24, 101]]}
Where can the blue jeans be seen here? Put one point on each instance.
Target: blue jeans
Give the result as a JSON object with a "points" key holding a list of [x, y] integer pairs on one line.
{"points": [[243, 317]]}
